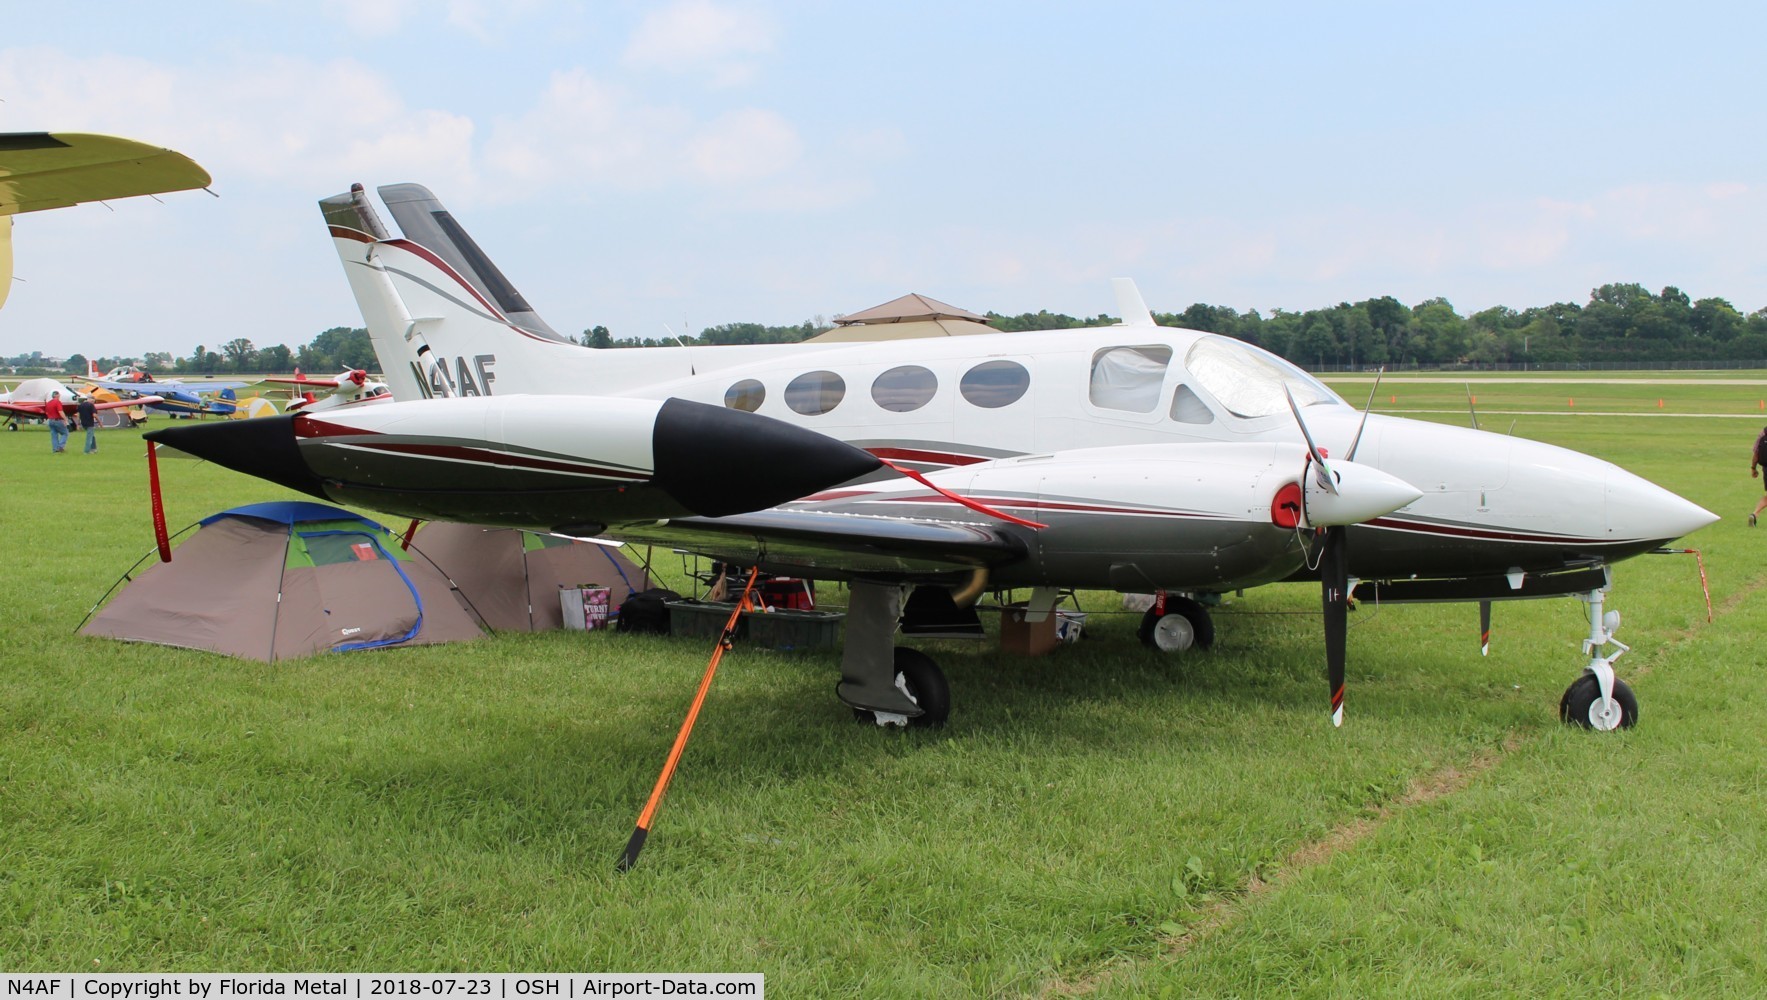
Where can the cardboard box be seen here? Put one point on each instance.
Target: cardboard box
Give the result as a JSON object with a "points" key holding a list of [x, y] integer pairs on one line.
{"points": [[1026, 638]]}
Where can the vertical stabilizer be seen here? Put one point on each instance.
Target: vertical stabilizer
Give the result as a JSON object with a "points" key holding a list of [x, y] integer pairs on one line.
{"points": [[423, 220], [434, 331]]}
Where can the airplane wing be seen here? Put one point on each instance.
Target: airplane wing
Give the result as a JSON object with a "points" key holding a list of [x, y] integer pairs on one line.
{"points": [[195, 388], [836, 544], [36, 409], [41, 170]]}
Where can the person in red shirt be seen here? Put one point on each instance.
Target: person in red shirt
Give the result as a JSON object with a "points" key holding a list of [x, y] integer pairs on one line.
{"points": [[57, 417]]}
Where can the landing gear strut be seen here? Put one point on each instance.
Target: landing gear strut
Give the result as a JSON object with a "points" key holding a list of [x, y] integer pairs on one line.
{"points": [[1175, 624], [883, 683], [1599, 700]]}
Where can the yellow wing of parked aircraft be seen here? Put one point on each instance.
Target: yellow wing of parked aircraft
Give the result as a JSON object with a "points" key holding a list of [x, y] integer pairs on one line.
{"points": [[42, 170]]}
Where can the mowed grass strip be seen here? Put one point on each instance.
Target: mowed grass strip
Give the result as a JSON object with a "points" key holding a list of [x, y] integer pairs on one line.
{"points": [[462, 807], [1730, 393]]}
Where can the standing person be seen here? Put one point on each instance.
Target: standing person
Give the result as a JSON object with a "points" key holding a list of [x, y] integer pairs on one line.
{"points": [[89, 423], [57, 417], [1758, 458]]}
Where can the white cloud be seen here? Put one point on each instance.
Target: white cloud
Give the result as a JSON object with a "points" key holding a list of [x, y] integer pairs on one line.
{"points": [[589, 132], [700, 36], [280, 119], [374, 20], [745, 145]]}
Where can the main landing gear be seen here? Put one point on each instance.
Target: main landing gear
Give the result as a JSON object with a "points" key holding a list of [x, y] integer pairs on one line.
{"points": [[884, 683], [1599, 700], [1176, 623]]}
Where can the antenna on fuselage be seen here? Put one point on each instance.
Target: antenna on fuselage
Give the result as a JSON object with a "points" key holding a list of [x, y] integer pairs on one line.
{"points": [[683, 342], [1130, 303]]}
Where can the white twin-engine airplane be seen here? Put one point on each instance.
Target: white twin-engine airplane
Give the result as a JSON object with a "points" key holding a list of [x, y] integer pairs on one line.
{"points": [[351, 387], [1150, 458]]}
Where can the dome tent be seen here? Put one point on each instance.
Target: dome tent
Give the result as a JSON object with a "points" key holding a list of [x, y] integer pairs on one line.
{"points": [[510, 578], [270, 581]]}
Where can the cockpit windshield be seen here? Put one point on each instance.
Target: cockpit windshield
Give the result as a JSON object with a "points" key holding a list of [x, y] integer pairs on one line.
{"points": [[1249, 381]]}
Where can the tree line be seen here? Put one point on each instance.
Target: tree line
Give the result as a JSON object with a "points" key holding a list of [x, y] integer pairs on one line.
{"points": [[330, 352], [1622, 324]]}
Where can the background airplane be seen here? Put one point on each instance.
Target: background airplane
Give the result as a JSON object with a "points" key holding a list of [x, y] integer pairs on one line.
{"points": [[28, 398], [173, 395], [42, 170], [351, 387], [1498, 518]]}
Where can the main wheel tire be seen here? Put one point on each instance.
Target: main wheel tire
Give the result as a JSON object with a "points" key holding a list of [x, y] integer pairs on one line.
{"points": [[1185, 625], [925, 683], [1579, 705], [922, 680]]}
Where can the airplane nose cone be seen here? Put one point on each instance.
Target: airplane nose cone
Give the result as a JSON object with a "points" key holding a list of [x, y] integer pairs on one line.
{"points": [[1364, 493], [1640, 509], [264, 447], [719, 461]]}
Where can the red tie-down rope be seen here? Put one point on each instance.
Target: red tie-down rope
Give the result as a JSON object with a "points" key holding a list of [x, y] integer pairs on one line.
{"points": [[974, 505], [1701, 561], [159, 508]]}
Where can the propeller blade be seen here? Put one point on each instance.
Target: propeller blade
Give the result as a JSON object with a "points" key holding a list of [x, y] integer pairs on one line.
{"points": [[1484, 628], [1334, 585], [1321, 472], [1470, 408], [1356, 442]]}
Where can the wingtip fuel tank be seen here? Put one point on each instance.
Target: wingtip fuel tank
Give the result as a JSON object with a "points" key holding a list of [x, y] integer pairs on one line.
{"points": [[532, 461]]}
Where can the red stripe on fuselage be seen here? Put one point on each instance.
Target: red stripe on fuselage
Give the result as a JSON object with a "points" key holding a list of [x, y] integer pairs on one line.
{"points": [[943, 458], [461, 453], [1052, 505], [312, 427], [1486, 534]]}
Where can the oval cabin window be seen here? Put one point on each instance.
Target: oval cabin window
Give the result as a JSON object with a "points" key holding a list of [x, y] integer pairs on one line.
{"points": [[903, 389], [993, 384], [815, 392], [748, 395]]}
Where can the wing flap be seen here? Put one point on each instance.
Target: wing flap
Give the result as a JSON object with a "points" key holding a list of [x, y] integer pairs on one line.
{"points": [[830, 545]]}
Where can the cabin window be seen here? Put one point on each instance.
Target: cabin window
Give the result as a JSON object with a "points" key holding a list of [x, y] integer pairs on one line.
{"points": [[748, 395], [1129, 378], [1188, 407], [905, 388], [993, 384], [815, 392], [1249, 381]]}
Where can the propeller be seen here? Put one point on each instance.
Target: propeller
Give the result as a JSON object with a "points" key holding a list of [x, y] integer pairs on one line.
{"points": [[1321, 473], [1347, 494], [1356, 442]]}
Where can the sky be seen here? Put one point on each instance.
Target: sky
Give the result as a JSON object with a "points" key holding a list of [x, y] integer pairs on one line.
{"points": [[667, 166]]}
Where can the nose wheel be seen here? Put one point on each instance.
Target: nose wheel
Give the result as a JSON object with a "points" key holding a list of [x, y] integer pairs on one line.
{"points": [[1598, 700], [1583, 705]]}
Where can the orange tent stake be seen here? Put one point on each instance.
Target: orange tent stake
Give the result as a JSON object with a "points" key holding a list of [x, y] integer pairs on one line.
{"points": [[642, 831]]}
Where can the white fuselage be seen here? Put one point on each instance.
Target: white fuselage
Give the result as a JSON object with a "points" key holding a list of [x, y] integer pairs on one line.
{"points": [[1489, 502]]}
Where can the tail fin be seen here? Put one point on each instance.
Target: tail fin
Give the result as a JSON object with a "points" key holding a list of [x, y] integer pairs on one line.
{"points": [[92, 371], [424, 221], [436, 291]]}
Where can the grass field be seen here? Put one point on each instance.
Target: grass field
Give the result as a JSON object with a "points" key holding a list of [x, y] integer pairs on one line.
{"points": [[1102, 821]]}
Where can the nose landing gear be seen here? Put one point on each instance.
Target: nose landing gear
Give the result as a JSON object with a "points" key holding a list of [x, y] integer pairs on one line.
{"points": [[1599, 700]]}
